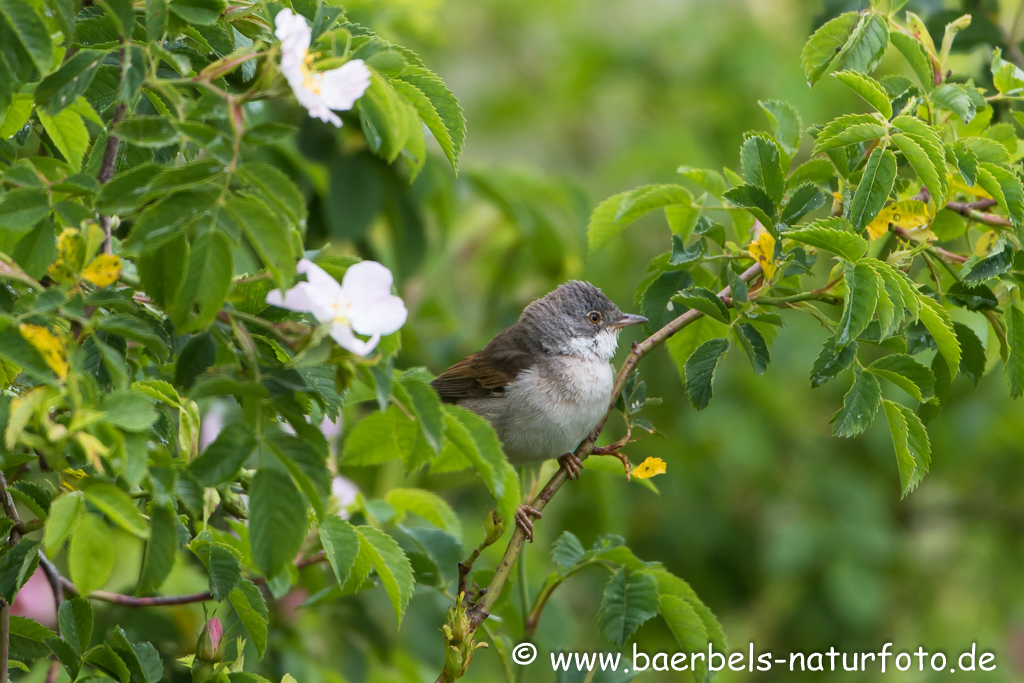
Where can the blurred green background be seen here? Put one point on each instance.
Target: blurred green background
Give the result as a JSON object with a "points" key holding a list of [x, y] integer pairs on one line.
{"points": [[796, 540]]}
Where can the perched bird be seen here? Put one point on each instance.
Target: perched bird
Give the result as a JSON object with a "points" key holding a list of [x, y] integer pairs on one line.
{"points": [[545, 382]]}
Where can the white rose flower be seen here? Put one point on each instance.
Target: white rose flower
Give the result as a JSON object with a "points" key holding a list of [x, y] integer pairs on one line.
{"points": [[361, 304], [318, 91]]}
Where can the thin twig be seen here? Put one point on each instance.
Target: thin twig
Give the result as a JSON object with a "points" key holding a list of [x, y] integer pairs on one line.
{"points": [[12, 512], [110, 155], [971, 211], [5, 609]]}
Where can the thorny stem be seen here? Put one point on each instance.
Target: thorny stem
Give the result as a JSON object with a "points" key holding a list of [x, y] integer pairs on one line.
{"points": [[480, 611]]}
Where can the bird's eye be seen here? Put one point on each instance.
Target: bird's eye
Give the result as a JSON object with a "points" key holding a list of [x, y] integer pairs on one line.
{"points": [[594, 317]]}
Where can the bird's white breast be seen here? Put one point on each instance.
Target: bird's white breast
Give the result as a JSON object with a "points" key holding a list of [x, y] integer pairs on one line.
{"points": [[551, 407]]}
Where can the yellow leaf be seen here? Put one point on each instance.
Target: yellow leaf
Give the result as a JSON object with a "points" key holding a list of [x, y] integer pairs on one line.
{"points": [[71, 249], [48, 345], [649, 468], [910, 214], [104, 270], [986, 243], [763, 251], [957, 184]]}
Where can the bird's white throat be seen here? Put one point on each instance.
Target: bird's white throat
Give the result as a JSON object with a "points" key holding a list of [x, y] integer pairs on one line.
{"points": [[601, 346]]}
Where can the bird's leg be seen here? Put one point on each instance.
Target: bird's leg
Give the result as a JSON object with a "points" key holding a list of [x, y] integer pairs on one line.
{"points": [[524, 519], [572, 464]]}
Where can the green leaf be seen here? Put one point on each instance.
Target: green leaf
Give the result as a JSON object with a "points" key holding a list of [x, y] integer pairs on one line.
{"points": [[16, 566], [705, 301], [864, 50], [277, 521], [22, 208], [147, 131], [449, 126], [373, 440], [225, 572], [831, 361], [712, 181], [905, 372], [206, 283], [72, 663], [425, 404], [848, 130], [202, 12], [566, 550], [859, 405], [925, 159], [391, 565], [804, 199], [939, 324], [913, 449], [861, 297], [762, 166], [65, 511], [870, 90], [972, 353], [787, 128], [30, 29], [252, 612], [129, 327], [160, 549], [615, 213], [1005, 187], [276, 188], [475, 440], [1013, 318], [69, 134], [89, 558], [168, 217], [957, 99], [26, 639], [917, 57], [700, 371], [75, 618], [630, 598], [341, 544], [119, 507], [129, 410], [818, 171], [162, 271], [756, 201], [268, 236], [755, 346], [427, 505], [825, 44], [832, 234], [61, 88], [222, 459], [874, 188], [109, 662]]}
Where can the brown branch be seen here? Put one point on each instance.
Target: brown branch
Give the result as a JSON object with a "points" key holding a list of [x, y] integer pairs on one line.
{"points": [[12, 512], [168, 600], [479, 612], [972, 212], [110, 153], [5, 609]]}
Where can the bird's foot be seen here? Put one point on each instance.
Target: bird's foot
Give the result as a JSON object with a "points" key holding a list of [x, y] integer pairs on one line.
{"points": [[572, 464], [611, 450], [524, 519]]}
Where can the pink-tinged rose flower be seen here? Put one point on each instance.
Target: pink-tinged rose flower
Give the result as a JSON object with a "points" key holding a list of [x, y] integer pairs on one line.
{"points": [[35, 600], [362, 304]]}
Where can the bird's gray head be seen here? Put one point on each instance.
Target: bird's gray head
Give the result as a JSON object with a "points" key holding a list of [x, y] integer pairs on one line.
{"points": [[576, 319]]}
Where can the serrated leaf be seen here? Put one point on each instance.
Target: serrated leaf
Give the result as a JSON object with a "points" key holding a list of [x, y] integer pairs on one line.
{"points": [[75, 618], [905, 372], [252, 611], [277, 520], [1013, 318], [630, 598], [161, 549], [700, 371], [756, 201], [26, 638], [566, 550], [206, 282], [957, 99], [705, 301], [804, 199], [222, 459], [825, 43], [972, 353], [391, 565], [89, 558], [61, 88], [870, 90], [859, 306], [268, 236], [913, 449], [787, 127], [831, 361], [119, 508], [341, 544], [755, 346], [475, 440], [65, 512], [69, 135], [859, 405], [762, 166], [427, 505], [710, 180], [847, 130], [832, 234], [909, 214], [29, 28], [939, 324], [874, 188], [16, 566], [615, 213]]}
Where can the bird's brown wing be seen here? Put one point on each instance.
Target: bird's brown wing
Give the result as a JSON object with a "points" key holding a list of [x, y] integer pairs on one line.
{"points": [[488, 372]]}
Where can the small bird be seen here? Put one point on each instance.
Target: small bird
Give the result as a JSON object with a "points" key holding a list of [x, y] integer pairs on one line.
{"points": [[545, 382]]}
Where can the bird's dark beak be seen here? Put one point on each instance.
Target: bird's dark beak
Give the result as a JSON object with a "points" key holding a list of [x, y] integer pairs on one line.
{"points": [[628, 319]]}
